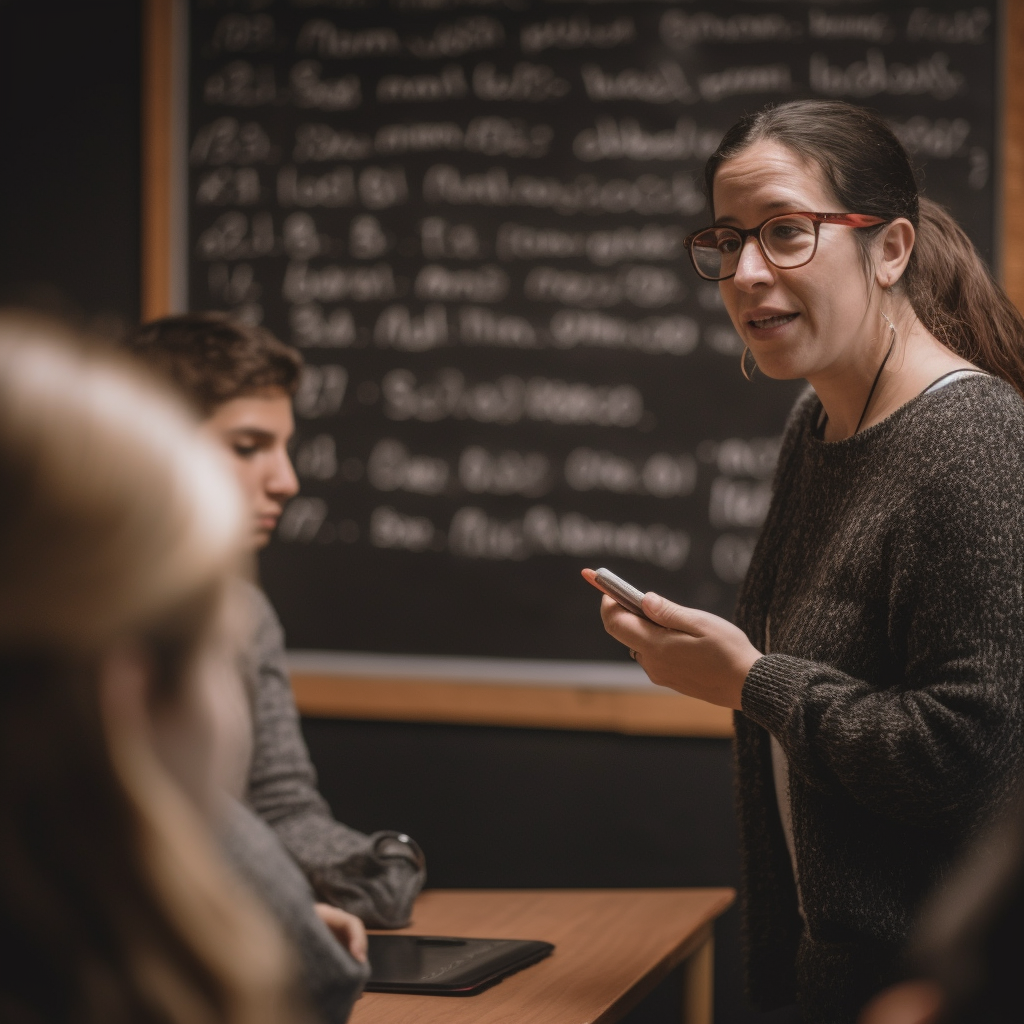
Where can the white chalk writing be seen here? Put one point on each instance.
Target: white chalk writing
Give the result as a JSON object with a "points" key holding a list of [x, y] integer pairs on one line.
{"points": [[872, 28], [506, 472], [229, 237], [333, 283], [456, 38], [321, 391], [611, 140], [575, 33], [310, 326], [532, 82], [322, 142], [649, 194], [871, 76], [666, 84], [391, 468], [939, 138], [661, 475], [966, 26], [642, 286], [679, 30], [327, 40], [674, 335], [488, 284], [449, 83], [738, 81], [310, 90], [509, 399], [239, 84], [398, 328], [481, 326], [227, 141]]}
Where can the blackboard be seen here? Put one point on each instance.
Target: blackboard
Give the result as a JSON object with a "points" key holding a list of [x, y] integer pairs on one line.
{"points": [[469, 216]]}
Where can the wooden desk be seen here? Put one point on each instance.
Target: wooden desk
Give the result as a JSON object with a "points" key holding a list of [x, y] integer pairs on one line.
{"points": [[612, 947]]}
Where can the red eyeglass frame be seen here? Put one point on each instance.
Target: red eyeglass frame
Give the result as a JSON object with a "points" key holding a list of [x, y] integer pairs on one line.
{"points": [[850, 220]]}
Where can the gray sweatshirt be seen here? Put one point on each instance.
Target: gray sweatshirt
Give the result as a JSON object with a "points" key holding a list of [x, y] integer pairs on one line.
{"points": [[891, 566], [376, 877]]}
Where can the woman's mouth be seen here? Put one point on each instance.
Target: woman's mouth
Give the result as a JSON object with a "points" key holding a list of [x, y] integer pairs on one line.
{"points": [[768, 322]]}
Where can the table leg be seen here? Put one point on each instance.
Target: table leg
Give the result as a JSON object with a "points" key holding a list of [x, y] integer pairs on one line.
{"points": [[699, 984]]}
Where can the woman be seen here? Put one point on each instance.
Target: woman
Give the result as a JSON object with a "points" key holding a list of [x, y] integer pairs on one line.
{"points": [[877, 660], [241, 379], [119, 535]]}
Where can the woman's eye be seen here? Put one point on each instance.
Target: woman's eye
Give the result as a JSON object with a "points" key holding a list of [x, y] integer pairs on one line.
{"points": [[727, 246], [245, 451]]}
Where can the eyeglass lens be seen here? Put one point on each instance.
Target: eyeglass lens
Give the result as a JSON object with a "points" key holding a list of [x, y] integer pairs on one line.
{"points": [[787, 241]]}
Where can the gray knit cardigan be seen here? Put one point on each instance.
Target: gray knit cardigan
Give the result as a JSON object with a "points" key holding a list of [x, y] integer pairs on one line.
{"points": [[371, 876], [891, 565]]}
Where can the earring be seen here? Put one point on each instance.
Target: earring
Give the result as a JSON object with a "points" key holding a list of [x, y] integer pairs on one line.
{"points": [[892, 329], [743, 364]]}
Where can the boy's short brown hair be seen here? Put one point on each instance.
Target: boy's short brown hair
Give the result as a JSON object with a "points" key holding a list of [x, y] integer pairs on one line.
{"points": [[213, 358]]}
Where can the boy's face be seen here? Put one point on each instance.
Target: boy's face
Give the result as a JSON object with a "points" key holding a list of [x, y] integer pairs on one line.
{"points": [[254, 430]]}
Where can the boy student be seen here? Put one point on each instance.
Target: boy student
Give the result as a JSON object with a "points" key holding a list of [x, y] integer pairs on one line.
{"points": [[241, 380]]}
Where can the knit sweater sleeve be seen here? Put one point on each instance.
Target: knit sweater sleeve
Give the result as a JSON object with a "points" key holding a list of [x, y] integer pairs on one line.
{"points": [[372, 876], [940, 743]]}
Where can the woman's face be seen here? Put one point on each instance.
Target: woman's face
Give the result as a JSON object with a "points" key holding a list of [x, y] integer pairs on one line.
{"points": [[810, 320]]}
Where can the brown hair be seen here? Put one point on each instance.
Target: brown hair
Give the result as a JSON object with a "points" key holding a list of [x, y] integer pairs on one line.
{"points": [[869, 171], [212, 358], [118, 525]]}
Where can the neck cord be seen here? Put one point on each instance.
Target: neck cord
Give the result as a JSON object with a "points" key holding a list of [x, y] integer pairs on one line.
{"points": [[878, 376]]}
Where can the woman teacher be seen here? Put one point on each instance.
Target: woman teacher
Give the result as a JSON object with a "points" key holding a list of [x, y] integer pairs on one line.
{"points": [[877, 660]]}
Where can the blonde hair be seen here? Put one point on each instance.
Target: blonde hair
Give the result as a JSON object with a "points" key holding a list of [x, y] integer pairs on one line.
{"points": [[117, 524]]}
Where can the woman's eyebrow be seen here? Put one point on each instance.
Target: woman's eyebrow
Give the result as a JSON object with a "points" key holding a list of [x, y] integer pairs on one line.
{"points": [[254, 433], [775, 204]]}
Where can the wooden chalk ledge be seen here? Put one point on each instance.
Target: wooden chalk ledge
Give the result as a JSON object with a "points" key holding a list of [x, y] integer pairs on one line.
{"points": [[508, 704]]}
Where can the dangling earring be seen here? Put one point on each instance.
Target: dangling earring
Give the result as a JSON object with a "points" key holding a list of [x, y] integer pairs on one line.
{"points": [[743, 364], [892, 329]]}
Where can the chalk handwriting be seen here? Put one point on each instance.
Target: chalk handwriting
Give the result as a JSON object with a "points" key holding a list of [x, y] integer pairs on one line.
{"points": [[661, 475], [382, 187], [651, 242], [325, 39], [321, 391], [309, 89], [942, 138], [398, 328], [392, 468], [673, 335], [391, 529], [334, 283], [481, 326], [754, 457], [612, 140], [543, 531], [302, 520], [322, 142], [233, 285], [498, 136], [441, 240], [730, 556], [366, 238], [575, 33], [648, 194], [239, 84], [679, 30], [227, 186], [238, 33], [738, 81], [873, 75], [449, 83], [457, 38], [965, 26], [872, 28], [532, 82], [509, 399], [300, 237], [334, 188], [648, 287], [738, 503], [230, 237], [317, 458], [505, 472], [666, 84], [311, 327], [227, 141], [487, 284]]}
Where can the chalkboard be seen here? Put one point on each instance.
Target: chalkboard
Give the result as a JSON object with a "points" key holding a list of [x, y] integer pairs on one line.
{"points": [[469, 216]]}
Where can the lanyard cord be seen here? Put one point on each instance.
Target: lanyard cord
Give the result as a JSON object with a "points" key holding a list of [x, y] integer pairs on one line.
{"points": [[878, 376]]}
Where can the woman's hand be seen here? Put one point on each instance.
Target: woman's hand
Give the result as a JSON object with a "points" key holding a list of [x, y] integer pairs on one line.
{"points": [[347, 928], [691, 651]]}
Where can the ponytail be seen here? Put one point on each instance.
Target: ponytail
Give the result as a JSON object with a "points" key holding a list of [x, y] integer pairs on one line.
{"points": [[956, 299], [868, 171]]}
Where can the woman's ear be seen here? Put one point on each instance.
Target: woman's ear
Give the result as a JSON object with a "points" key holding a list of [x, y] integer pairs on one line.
{"points": [[895, 246]]}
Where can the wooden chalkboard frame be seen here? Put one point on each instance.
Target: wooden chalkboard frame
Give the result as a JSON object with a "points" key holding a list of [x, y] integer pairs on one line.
{"points": [[486, 701]]}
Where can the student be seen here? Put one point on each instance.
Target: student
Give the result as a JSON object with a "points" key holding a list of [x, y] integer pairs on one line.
{"points": [[241, 380], [119, 536], [876, 665]]}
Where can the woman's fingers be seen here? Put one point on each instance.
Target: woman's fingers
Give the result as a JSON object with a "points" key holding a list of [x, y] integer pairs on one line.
{"points": [[672, 616], [347, 928]]}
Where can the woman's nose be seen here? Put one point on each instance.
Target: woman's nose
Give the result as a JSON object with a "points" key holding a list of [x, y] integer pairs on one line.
{"points": [[282, 481], [752, 269]]}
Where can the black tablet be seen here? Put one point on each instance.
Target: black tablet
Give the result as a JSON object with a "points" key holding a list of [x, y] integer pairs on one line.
{"points": [[438, 965]]}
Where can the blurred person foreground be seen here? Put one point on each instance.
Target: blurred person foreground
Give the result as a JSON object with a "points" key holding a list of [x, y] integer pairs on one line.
{"points": [[120, 538]]}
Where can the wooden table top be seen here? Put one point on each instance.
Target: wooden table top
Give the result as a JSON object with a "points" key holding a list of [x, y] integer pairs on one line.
{"points": [[612, 947]]}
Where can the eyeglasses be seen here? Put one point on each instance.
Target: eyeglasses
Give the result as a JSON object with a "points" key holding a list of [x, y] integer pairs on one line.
{"points": [[787, 241]]}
